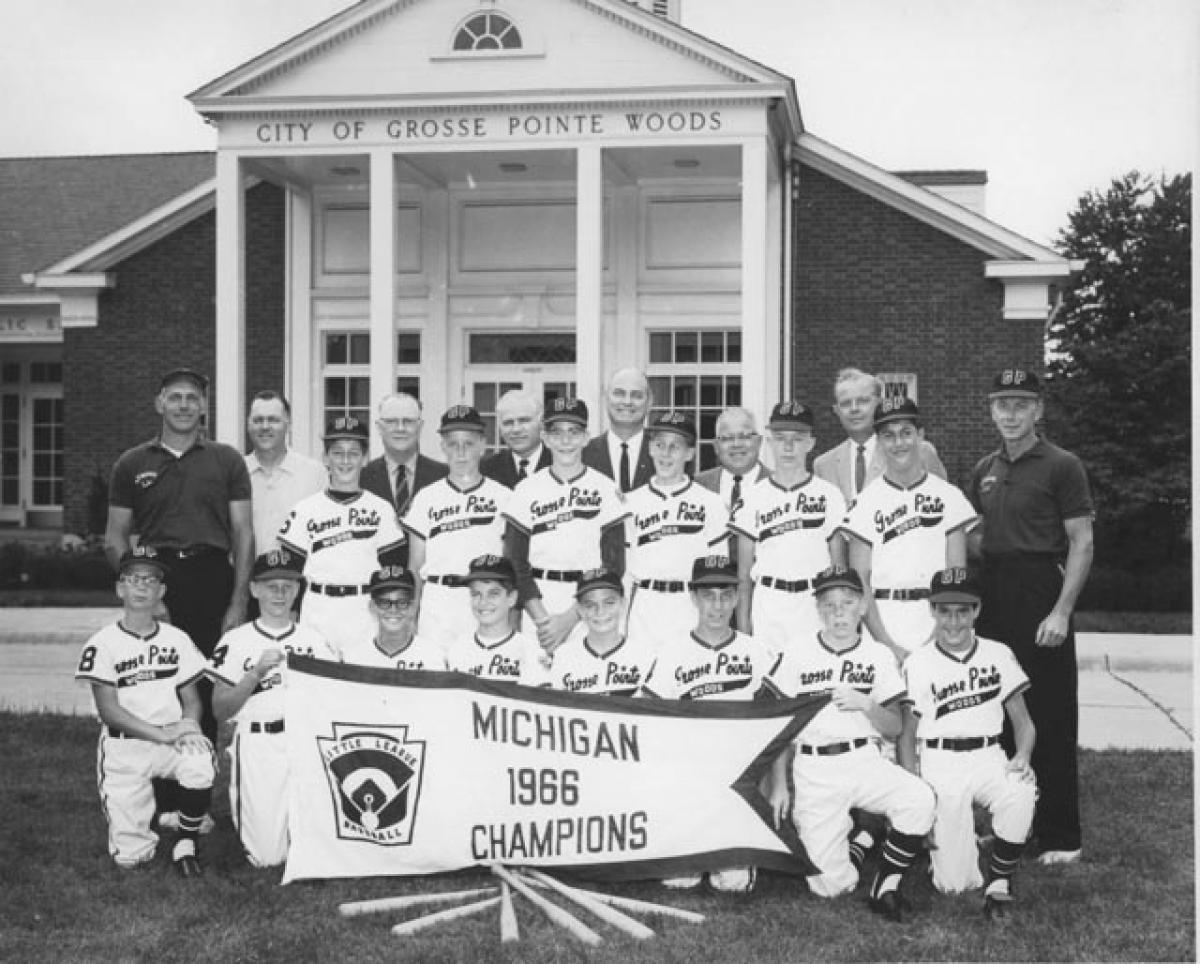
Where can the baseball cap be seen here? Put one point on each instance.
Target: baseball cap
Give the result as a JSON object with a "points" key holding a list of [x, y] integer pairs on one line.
{"points": [[491, 567], [461, 418], [837, 577], [898, 408], [601, 578], [277, 564], [955, 586], [183, 374], [790, 417], [1016, 382], [713, 571], [349, 427], [566, 410], [390, 578], [142, 556], [675, 422]]}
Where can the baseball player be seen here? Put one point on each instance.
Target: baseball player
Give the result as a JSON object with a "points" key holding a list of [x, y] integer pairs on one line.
{"points": [[962, 687], [396, 643], [712, 661], [785, 531], [143, 675], [249, 667], [495, 650], [836, 762], [560, 522], [603, 660], [449, 523], [904, 526], [672, 522], [344, 534]]}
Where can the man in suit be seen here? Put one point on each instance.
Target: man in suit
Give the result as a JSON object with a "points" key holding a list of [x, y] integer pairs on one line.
{"points": [[851, 464], [519, 414], [738, 445], [623, 452], [402, 470]]}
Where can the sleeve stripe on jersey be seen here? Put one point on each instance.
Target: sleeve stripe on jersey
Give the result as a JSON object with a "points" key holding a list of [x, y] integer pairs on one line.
{"points": [[965, 525], [192, 679], [96, 679], [293, 547], [514, 523]]}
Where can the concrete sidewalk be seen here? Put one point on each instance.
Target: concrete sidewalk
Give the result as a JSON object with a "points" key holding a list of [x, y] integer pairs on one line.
{"points": [[1135, 692]]}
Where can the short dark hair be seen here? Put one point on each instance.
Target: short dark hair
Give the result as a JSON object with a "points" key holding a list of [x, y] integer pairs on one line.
{"points": [[269, 395]]}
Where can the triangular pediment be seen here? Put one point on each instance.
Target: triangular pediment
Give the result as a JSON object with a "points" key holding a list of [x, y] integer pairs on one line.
{"points": [[382, 50]]}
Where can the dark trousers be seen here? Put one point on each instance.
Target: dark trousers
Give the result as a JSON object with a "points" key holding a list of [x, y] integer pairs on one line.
{"points": [[1018, 593]]}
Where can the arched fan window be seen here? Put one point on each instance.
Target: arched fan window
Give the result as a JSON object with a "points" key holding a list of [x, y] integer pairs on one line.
{"points": [[488, 31]]}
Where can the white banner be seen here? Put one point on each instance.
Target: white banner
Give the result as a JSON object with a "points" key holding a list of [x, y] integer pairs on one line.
{"points": [[398, 773]]}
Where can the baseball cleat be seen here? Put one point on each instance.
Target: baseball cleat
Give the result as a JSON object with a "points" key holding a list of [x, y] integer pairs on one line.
{"points": [[997, 906], [888, 905], [1048, 857], [736, 880], [683, 883], [188, 867]]}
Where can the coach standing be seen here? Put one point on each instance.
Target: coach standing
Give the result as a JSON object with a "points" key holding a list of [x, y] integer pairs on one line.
{"points": [[189, 498], [1037, 549]]}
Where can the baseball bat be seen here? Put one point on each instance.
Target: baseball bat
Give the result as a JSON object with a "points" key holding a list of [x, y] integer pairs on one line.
{"points": [[607, 914], [356, 908], [562, 918], [441, 916], [645, 906], [508, 916]]}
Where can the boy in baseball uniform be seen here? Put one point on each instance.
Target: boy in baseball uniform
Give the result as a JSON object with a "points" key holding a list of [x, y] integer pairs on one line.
{"points": [[451, 521], [904, 526], [785, 529], [712, 661], [836, 761], [396, 643], [962, 687], [672, 522], [343, 534], [603, 660], [495, 650], [561, 521], [143, 676], [249, 667]]}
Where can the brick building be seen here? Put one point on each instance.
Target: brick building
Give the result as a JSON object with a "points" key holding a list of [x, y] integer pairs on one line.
{"points": [[454, 199]]}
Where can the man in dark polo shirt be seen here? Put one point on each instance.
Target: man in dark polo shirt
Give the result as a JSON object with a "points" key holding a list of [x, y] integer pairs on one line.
{"points": [[189, 498], [1036, 543]]}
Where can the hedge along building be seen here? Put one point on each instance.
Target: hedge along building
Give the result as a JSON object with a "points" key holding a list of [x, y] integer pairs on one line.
{"points": [[455, 197]]}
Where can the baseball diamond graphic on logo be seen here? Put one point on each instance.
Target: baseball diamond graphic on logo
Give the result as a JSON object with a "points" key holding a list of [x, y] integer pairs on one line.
{"points": [[374, 776]]}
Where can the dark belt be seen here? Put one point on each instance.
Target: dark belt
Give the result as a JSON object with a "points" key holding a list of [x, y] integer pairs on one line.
{"points": [[325, 590], [833, 749], [962, 743], [445, 580], [902, 594], [117, 734], [190, 552], [557, 575], [662, 585], [794, 585], [275, 726]]}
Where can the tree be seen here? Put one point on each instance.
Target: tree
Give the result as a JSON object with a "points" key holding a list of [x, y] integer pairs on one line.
{"points": [[1119, 376]]}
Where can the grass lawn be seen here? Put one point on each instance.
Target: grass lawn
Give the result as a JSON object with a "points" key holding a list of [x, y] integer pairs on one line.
{"points": [[1133, 898]]}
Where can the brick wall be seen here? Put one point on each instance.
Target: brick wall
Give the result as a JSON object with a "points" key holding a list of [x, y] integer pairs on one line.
{"points": [[161, 315], [879, 290]]}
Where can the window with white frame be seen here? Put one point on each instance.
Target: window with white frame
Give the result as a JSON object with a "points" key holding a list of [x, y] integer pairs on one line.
{"points": [[899, 385], [346, 371], [697, 372], [488, 31]]}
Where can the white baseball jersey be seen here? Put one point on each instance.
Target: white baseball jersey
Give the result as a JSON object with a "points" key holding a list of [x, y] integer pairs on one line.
{"points": [[962, 696], [564, 520], [688, 669], [907, 528], [576, 668], [421, 653], [341, 540], [667, 531], [514, 659], [457, 525], [239, 650], [791, 528]]}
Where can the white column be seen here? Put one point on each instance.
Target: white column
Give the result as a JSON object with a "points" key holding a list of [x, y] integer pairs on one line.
{"points": [[589, 268], [383, 278], [758, 330], [300, 381], [230, 376]]}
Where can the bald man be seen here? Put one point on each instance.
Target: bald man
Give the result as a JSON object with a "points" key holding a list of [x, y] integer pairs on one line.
{"points": [[623, 451], [519, 417]]}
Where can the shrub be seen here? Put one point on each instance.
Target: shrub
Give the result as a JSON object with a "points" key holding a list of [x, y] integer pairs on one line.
{"points": [[1151, 589]]}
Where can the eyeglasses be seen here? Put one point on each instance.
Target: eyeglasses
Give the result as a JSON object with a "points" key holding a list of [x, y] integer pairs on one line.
{"points": [[393, 605], [141, 579], [738, 437]]}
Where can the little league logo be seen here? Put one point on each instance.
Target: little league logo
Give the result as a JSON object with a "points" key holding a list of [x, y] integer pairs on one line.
{"points": [[374, 778]]}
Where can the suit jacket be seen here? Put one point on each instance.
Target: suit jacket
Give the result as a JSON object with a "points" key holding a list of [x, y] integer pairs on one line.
{"points": [[500, 466], [375, 478], [837, 466], [595, 455], [711, 478]]}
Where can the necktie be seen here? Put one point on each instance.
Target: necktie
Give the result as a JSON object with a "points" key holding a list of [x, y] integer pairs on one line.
{"points": [[860, 467], [625, 467], [735, 494], [401, 488], [522, 469]]}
